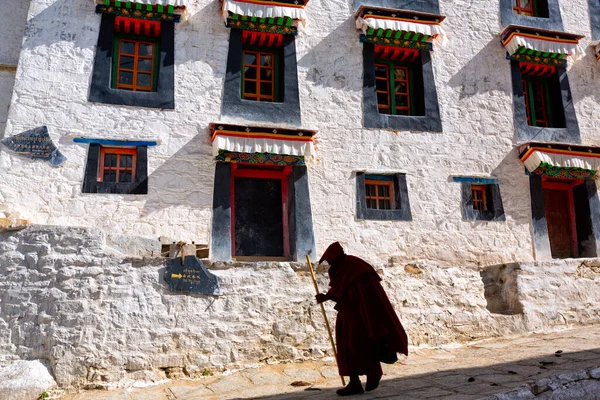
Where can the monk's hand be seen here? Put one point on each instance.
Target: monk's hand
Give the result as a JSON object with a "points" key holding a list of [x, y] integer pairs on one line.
{"points": [[321, 298]]}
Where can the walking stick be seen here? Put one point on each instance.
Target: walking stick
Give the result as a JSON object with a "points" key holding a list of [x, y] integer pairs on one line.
{"points": [[312, 274]]}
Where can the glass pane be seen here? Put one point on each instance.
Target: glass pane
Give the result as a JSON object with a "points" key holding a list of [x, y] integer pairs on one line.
{"points": [[386, 191], [125, 176], [381, 72], [370, 189], [371, 204], [110, 176], [125, 161], [145, 64], [401, 101], [126, 78], [250, 58], [400, 74], [144, 80], [250, 87], [126, 62], [127, 47], [380, 191], [145, 49], [266, 89], [110, 160], [382, 99], [266, 60], [381, 84], [266, 74], [250, 73], [384, 205], [401, 87], [402, 112]]}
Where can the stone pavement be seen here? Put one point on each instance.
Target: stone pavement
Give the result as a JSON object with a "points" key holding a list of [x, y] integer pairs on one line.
{"points": [[472, 371]]}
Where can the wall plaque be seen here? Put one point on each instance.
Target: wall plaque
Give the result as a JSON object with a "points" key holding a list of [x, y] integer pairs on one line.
{"points": [[35, 144], [191, 277]]}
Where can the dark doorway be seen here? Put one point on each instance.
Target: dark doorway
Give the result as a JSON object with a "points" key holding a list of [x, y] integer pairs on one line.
{"points": [[260, 212], [556, 203]]}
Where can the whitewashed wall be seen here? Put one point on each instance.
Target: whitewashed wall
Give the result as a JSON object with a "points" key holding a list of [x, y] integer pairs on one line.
{"points": [[474, 89]]}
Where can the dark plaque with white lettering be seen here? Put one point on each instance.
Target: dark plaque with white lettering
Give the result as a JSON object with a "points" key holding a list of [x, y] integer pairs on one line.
{"points": [[191, 277], [35, 144]]}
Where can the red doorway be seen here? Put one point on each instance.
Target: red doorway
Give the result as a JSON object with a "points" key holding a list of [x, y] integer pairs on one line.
{"points": [[559, 206], [259, 212]]}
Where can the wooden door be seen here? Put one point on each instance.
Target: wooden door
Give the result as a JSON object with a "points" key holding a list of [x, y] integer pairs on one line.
{"points": [[556, 204]]}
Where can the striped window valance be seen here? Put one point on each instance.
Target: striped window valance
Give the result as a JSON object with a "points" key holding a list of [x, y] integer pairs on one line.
{"points": [[137, 26], [151, 10], [560, 160], [262, 39], [280, 17]]}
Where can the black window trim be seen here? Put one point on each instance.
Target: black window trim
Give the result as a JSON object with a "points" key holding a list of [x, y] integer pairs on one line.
{"points": [[494, 201], [402, 211], [553, 22]]}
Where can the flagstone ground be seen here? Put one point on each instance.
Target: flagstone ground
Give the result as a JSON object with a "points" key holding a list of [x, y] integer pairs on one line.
{"points": [[518, 367]]}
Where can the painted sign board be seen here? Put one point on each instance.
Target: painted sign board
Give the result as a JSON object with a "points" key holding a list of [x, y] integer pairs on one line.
{"points": [[191, 277], [36, 144]]}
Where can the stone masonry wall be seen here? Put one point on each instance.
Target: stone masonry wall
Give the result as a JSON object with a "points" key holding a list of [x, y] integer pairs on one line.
{"points": [[103, 318], [474, 88]]}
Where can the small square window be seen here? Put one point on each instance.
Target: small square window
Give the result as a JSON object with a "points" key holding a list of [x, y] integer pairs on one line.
{"points": [[481, 201], [136, 64], [121, 170], [260, 75], [542, 95], [382, 197], [531, 8]]}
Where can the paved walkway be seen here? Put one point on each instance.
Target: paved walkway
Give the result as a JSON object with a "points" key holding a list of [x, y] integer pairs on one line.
{"points": [[468, 372]]}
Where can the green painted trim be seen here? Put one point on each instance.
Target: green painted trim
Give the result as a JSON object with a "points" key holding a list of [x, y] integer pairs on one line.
{"points": [[117, 3], [170, 9], [128, 5], [160, 8]]}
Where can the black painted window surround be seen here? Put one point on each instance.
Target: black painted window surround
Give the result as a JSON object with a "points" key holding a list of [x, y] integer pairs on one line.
{"points": [[101, 88], [553, 21], [401, 203], [428, 6], [495, 209], [595, 18], [287, 107], [138, 186]]}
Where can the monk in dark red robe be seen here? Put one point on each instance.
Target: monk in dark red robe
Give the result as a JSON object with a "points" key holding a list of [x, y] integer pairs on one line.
{"points": [[367, 329]]}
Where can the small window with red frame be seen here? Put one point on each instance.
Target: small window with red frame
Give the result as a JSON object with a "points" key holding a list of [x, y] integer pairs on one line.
{"points": [[480, 197], [117, 164], [379, 194], [531, 8]]}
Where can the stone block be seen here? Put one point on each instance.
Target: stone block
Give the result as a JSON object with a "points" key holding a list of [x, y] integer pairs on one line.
{"points": [[24, 380]]}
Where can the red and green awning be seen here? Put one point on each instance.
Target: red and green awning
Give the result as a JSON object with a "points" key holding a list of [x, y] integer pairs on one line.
{"points": [[560, 160], [152, 10]]}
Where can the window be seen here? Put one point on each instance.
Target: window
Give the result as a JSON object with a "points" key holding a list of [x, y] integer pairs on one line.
{"points": [[382, 197], [380, 194], [117, 165], [260, 75], [111, 169], [136, 65], [542, 14], [542, 96], [531, 8], [481, 200]]}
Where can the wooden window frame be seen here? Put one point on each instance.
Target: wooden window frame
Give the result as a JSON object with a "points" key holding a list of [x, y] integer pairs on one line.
{"points": [[137, 40], [530, 85], [118, 151], [258, 97], [528, 12], [482, 199], [377, 183], [391, 80]]}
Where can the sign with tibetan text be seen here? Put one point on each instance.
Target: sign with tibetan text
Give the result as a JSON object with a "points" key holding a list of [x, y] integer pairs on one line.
{"points": [[35, 144], [191, 277]]}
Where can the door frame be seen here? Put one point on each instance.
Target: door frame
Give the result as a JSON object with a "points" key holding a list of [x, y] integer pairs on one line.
{"points": [[262, 172], [567, 185]]}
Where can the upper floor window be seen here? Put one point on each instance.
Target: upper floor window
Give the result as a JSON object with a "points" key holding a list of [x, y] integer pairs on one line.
{"points": [[260, 75], [531, 8], [136, 66], [117, 164], [379, 194], [382, 197], [542, 95]]}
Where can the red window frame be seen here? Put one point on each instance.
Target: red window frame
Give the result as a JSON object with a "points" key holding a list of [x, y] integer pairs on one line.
{"points": [[262, 172], [134, 86], [373, 196], [527, 11], [479, 197], [118, 152], [259, 81], [383, 108]]}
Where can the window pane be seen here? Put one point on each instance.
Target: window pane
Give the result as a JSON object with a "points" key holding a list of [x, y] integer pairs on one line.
{"points": [[382, 85], [401, 101], [125, 176], [126, 62], [145, 64], [401, 87], [402, 111], [110, 176], [371, 203], [266, 89], [144, 80], [382, 99], [380, 191], [110, 160], [125, 161], [250, 58], [384, 205], [266, 74], [127, 47], [370, 190], [266, 60], [400, 74], [381, 72], [250, 87], [249, 73], [126, 78], [145, 49]]}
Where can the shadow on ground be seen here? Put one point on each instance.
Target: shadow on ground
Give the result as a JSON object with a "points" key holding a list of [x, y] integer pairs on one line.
{"points": [[467, 383]]}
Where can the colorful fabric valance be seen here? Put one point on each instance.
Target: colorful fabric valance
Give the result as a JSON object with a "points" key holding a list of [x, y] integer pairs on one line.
{"points": [[391, 27], [541, 46], [263, 9], [151, 10], [240, 139], [560, 160]]}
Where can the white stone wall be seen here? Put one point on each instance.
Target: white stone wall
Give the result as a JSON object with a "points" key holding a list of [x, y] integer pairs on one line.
{"points": [[474, 88], [7, 81], [12, 26]]}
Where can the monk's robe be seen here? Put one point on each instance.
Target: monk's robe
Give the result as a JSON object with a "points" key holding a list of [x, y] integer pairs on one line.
{"points": [[367, 326]]}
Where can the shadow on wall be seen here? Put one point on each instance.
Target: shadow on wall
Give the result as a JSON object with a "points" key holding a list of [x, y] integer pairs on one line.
{"points": [[185, 180], [344, 53], [473, 78], [581, 74]]}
